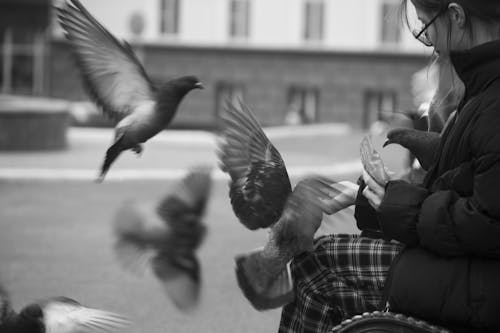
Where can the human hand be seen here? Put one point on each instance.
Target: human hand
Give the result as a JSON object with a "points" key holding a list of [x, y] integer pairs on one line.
{"points": [[373, 192], [372, 163]]}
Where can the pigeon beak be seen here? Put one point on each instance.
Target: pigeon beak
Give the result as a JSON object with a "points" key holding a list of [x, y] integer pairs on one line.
{"points": [[387, 142], [199, 85]]}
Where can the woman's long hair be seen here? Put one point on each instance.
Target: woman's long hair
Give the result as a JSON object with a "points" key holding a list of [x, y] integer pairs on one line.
{"points": [[450, 91]]}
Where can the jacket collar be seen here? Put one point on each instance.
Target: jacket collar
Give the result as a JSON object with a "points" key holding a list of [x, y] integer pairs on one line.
{"points": [[477, 67]]}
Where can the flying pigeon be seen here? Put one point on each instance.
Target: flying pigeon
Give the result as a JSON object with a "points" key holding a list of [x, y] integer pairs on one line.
{"points": [[118, 83], [259, 189], [57, 315], [259, 184], [166, 236]]}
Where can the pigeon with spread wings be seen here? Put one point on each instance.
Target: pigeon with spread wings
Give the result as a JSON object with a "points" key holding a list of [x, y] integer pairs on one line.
{"points": [[166, 236], [259, 190], [57, 315], [259, 183], [118, 83]]}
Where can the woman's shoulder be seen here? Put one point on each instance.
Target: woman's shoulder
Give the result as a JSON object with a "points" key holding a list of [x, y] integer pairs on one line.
{"points": [[487, 101], [485, 121]]}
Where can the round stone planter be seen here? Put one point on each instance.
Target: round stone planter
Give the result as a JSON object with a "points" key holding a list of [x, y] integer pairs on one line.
{"points": [[28, 123]]}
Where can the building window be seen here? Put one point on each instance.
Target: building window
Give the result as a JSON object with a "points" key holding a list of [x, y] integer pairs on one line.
{"points": [[379, 105], [391, 32], [169, 19], [239, 16], [302, 106], [227, 92], [22, 61], [314, 20]]}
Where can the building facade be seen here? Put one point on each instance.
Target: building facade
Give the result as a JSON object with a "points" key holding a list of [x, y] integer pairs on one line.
{"points": [[292, 61], [355, 25]]}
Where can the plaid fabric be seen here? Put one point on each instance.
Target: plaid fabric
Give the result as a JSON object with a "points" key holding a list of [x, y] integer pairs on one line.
{"points": [[342, 277]]}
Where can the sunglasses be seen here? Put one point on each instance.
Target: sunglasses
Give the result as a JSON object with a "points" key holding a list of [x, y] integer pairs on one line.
{"points": [[421, 35]]}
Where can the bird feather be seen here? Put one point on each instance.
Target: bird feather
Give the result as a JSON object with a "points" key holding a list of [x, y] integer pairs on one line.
{"points": [[67, 316], [169, 232], [259, 181], [180, 278], [111, 71], [190, 195]]}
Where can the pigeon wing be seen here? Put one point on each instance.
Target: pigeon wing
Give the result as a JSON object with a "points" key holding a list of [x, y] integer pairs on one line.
{"points": [[180, 277], [139, 232], [182, 209], [63, 315], [189, 196], [111, 71], [177, 267], [259, 180]]}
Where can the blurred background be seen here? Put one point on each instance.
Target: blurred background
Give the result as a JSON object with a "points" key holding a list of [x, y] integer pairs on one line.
{"points": [[318, 74]]}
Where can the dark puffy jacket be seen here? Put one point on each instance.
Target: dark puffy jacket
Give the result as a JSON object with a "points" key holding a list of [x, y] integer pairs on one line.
{"points": [[449, 271]]}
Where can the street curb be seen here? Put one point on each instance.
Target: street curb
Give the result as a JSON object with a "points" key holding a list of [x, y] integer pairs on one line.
{"points": [[209, 138], [74, 174]]}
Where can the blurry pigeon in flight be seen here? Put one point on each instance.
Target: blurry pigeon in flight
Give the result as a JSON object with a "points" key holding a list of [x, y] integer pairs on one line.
{"points": [[118, 83], [259, 183], [422, 144], [57, 315], [166, 236]]}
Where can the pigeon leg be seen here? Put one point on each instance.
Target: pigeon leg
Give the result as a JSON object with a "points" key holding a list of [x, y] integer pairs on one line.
{"points": [[137, 149]]}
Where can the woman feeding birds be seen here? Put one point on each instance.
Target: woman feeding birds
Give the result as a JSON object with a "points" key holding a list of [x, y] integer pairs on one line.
{"points": [[439, 250]]}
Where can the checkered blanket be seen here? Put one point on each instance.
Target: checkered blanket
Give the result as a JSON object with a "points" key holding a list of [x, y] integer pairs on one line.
{"points": [[342, 277]]}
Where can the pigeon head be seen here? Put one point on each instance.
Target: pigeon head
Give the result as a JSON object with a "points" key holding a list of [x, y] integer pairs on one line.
{"points": [[173, 91], [422, 144], [31, 319], [187, 83], [33, 311], [397, 135]]}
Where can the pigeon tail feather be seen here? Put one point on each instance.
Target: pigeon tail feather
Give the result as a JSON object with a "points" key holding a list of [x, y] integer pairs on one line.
{"points": [[111, 155]]}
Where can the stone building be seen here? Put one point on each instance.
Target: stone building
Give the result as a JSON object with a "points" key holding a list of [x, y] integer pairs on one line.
{"points": [[293, 61]]}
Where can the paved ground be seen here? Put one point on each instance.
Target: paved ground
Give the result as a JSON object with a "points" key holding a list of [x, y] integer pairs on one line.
{"points": [[166, 155], [330, 149], [56, 236]]}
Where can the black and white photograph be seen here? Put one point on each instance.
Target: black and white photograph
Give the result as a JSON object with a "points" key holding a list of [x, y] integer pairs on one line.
{"points": [[274, 166]]}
